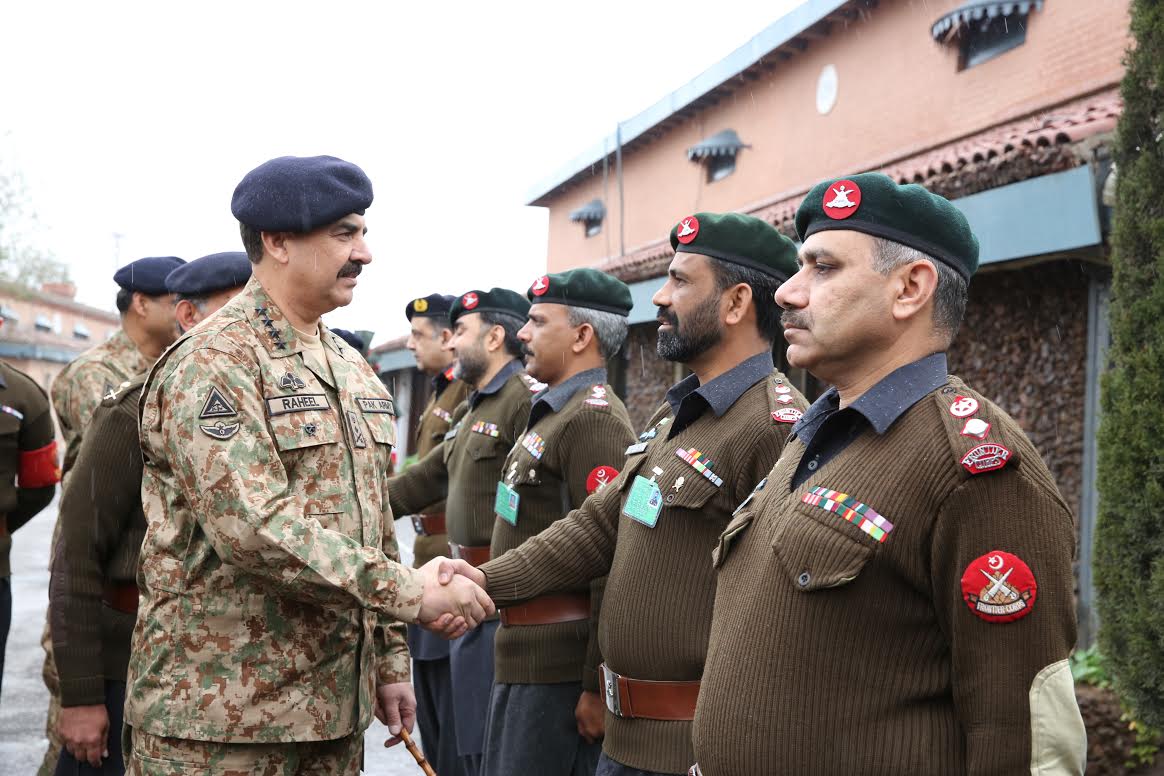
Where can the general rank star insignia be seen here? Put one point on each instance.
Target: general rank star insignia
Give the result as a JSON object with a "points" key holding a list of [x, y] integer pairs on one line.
{"points": [[217, 405]]}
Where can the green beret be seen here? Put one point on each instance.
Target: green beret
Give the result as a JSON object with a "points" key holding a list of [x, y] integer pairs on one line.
{"points": [[739, 239], [584, 287], [877, 205], [495, 300]]}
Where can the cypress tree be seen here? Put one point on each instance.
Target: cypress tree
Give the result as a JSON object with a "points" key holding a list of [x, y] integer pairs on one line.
{"points": [[1129, 550]]}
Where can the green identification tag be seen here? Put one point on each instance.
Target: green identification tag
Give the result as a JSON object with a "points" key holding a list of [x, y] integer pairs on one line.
{"points": [[505, 504], [644, 502]]}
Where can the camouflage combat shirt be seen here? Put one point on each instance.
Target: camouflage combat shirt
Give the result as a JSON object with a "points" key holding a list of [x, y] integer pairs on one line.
{"points": [[269, 571]]}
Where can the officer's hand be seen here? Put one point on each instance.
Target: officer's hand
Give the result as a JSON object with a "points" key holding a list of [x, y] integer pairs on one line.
{"points": [[590, 713], [396, 708], [84, 731], [448, 592]]}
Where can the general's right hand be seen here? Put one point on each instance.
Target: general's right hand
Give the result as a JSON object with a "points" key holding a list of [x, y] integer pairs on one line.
{"points": [[84, 731], [453, 603]]}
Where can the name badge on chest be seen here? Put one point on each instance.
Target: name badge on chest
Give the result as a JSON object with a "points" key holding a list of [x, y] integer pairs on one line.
{"points": [[645, 501], [506, 502]]}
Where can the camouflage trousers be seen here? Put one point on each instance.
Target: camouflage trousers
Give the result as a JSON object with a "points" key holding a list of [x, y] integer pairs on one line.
{"points": [[160, 756], [49, 672]]}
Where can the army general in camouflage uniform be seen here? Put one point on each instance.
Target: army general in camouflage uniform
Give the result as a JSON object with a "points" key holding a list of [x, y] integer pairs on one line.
{"points": [[269, 626]]}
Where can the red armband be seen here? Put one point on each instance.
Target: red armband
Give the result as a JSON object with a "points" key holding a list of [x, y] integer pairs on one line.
{"points": [[39, 468]]}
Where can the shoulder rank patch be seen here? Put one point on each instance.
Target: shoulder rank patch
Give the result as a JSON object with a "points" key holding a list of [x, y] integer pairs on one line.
{"points": [[217, 405], [600, 477], [221, 431], [384, 406], [999, 587]]}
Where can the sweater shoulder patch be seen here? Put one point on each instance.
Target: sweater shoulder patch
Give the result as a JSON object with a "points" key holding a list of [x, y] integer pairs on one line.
{"points": [[597, 398], [786, 405], [976, 429]]}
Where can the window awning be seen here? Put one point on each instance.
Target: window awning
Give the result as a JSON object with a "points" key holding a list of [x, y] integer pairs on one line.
{"points": [[725, 143], [978, 10], [593, 210]]}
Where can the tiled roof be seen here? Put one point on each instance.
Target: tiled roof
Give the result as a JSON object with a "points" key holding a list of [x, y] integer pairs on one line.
{"points": [[1050, 141]]}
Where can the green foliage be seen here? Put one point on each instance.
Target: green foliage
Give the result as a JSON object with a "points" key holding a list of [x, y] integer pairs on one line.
{"points": [[1129, 549], [19, 261], [1089, 667]]}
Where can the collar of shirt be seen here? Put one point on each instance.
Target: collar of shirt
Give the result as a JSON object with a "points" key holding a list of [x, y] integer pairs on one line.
{"points": [[553, 399], [441, 381], [494, 385], [689, 399], [882, 404]]}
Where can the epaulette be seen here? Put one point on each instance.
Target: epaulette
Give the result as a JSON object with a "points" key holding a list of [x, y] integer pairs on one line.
{"points": [[974, 426], [533, 385], [597, 397], [118, 394], [782, 400]]}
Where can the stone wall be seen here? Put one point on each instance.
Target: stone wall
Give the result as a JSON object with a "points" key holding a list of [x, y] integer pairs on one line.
{"points": [[647, 376]]}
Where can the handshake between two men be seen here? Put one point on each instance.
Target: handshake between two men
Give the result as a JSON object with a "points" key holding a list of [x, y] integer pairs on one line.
{"points": [[454, 600]]}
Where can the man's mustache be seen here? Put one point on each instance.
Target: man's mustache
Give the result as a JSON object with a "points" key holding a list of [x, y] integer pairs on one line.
{"points": [[350, 270], [668, 316], [796, 319]]}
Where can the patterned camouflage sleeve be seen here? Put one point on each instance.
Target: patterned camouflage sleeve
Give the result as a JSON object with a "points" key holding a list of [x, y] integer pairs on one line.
{"points": [[254, 519]]}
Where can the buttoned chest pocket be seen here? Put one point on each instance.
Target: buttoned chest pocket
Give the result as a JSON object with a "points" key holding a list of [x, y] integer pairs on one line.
{"points": [[684, 487], [820, 549], [382, 427], [481, 447]]}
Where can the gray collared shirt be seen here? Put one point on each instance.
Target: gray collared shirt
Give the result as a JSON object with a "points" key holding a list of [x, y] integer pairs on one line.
{"points": [[494, 385], [826, 430], [553, 399], [689, 400]]}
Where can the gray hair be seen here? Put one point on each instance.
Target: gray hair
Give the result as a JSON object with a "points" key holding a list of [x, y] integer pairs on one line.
{"points": [[199, 302], [950, 294], [609, 328]]}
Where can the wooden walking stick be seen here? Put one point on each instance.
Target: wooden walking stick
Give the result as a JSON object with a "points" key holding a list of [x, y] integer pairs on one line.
{"points": [[414, 750]]}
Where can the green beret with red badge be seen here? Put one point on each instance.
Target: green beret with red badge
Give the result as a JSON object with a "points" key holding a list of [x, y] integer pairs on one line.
{"points": [[583, 287], [495, 300], [738, 239], [907, 214]]}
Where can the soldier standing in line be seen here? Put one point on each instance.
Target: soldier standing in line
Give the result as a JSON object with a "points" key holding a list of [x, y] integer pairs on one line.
{"points": [[269, 628], [653, 529], [28, 470], [899, 598], [147, 328], [545, 714], [93, 592], [430, 334], [465, 468]]}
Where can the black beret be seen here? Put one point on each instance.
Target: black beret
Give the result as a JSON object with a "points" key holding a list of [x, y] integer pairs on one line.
{"points": [[351, 338], [431, 306], [299, 194], [495, 300], [877, 205], [582, 288], [148, 275], [210, 274], [734, 237]]}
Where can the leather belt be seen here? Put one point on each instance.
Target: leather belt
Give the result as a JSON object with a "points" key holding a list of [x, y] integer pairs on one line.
{"points": [[121, 596], [646, 699], [429, 525], [548, 610], [474, 556]]}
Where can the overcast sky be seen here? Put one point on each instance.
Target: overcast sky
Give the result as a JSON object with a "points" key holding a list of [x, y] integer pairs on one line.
{"points": [[139, 119]]}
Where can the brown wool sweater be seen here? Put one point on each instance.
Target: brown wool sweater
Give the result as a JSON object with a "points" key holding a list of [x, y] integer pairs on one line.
{"points": [[832, 652], [550, 468], [466, 466], [435, 422], [101, 529], [656, 612]]}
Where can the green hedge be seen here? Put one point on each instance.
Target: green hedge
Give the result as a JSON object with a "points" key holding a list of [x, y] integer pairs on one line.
{"points": [[1129, 551]]}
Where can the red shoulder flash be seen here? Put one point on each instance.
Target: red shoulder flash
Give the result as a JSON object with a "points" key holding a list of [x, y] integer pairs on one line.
{"points": [[600, 477], [999, 587], [39, 468]]}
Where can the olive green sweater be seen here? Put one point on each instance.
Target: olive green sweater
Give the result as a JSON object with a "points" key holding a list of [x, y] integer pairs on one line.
{"points": [[836, 649], [435, 422], [656, 613], [559, 459], [101, 528]]}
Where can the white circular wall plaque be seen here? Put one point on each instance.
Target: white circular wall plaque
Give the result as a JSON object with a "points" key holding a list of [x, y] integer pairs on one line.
{"points": [[826, 90]]}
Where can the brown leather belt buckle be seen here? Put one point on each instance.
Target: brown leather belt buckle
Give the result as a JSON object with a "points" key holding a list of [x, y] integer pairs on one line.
{"points": [[122, 596], [474, 556], [648, 699], [429, 525], [548, 610]]}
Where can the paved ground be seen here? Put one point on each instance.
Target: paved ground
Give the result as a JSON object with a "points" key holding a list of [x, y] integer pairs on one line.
{"points": [[24, 700]]}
